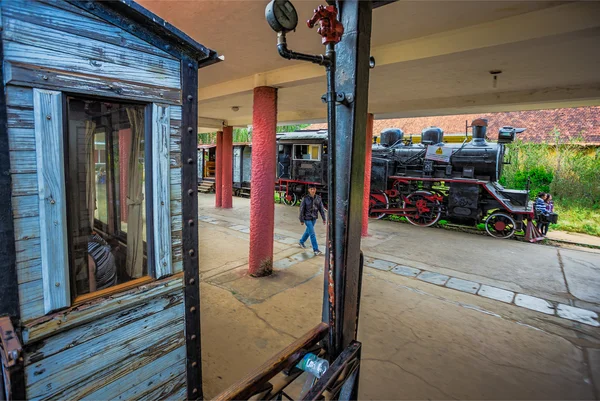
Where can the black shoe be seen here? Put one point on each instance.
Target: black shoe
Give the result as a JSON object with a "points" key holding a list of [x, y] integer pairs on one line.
{"points": [[301, 245], [317, 253]]}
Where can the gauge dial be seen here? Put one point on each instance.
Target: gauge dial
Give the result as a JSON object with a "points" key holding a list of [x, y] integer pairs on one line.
{"points": [[281, 15]]}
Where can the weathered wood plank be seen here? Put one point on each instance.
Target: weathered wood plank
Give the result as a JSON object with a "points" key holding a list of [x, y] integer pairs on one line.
{"points": [[176, 192], [178, 265], [21, 139], [174, 160], [27, 228], [52, 49], [31, 299], [97, 308], [29, 270], [40, 77], [176, 116], [161, 189], [52, 198], [29, 249], [176, 223], [170, 390], [24, 184], [25, 206], [19, 96], [69, 369], [175, 142], [77, 371], [80, 336], [19, 117], [175, 206], [175, 176], [67, 18], [145, 378], [23, 161]]}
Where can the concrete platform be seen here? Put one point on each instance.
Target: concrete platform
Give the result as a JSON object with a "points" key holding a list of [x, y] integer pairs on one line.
{"points": [[429, 338]]}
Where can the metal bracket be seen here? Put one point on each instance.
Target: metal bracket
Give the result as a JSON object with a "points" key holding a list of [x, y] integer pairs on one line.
{"points": [[344, 98], [341, 98], [11, 362], [10, 346]]}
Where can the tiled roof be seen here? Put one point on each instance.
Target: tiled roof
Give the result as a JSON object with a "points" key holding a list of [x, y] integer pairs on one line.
{"points": [[581, 124]]}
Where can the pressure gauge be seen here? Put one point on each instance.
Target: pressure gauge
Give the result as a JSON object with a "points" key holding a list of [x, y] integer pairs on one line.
{"points": [[281, 16]]}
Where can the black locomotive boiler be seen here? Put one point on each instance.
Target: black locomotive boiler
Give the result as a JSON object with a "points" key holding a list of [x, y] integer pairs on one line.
{"points": [[457, 182]]}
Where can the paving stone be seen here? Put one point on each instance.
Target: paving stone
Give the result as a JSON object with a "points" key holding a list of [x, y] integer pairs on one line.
{"points": [[533, 303], [406, 271], [577, 314], [278, 237], [302, 256], [284, 263], [289, 241], [381, 264], [463, 285], [245, 230], [496, 293], [433, 278], [237, 227]]}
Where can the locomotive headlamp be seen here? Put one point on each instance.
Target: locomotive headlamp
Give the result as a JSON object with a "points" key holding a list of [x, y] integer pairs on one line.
{"points": [[281, 16]]}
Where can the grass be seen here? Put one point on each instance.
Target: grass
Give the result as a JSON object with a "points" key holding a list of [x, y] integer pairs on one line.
{"points": [[577, 218]]}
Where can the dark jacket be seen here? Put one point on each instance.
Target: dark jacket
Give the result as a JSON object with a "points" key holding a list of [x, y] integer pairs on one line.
{"points": [[311, 207]]}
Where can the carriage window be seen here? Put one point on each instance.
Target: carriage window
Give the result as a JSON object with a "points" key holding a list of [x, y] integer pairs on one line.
{"points": [[106, 193], [307, 152]]}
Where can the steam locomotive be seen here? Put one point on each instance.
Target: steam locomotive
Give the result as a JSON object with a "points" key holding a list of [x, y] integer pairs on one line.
{"points": [[457, 182], [424, 182]]}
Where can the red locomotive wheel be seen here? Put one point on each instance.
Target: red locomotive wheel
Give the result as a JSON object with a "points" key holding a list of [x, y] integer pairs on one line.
{"points": [[290, 199], [428, 209], [500, 225], [378, 200]]}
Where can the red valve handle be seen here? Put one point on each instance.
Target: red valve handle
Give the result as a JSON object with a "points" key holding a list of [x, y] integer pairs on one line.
{"points": [[330, 29]]}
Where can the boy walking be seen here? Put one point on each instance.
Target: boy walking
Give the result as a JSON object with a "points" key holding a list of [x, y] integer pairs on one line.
{"points": [[311, 206]]}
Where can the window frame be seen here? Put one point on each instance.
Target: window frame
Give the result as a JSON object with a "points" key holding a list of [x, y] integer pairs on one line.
{"points": [[51, 129], [318, 145], [148, 199]]}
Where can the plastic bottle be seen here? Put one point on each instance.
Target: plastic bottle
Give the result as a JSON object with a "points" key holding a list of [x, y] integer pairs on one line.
{"points": [[313, 364]]}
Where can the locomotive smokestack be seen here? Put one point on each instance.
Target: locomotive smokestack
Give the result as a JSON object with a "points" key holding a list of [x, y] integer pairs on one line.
{"points": [[479, 130]]}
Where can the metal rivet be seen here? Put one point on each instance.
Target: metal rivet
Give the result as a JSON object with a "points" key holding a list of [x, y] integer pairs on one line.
{"points": [[195, 390], [52, 201], [190, 65], [194, 364], [191, 252], [190, 98], [192, 281], [191, 223], [161, 94], [58, 322], [48, 117], [57, 284], [193, 309], [162, 203], [164, 263], [190, 130], [190, 160], [190, 192], [45, 77], [193, 337], [167, 47]]}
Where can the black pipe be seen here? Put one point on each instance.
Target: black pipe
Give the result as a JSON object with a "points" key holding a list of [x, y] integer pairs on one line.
{"points": [[332, 194], [292, 55]]}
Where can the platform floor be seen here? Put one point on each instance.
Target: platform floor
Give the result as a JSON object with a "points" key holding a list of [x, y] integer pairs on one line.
{"points": [[444, 315]]}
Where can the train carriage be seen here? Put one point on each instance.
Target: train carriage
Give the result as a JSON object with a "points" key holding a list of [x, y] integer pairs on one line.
{"points": [[98, 159]]}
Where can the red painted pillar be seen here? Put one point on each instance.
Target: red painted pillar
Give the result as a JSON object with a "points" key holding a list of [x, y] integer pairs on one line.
{"points": [[227, 168], [219, 171], [365, 225], [262, 202]]}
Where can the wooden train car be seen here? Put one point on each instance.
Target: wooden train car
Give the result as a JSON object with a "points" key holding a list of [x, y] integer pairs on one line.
{"points": [[100, 110]]}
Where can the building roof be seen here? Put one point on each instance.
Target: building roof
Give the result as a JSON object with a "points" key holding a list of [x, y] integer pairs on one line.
{"points": [[580, 124]]}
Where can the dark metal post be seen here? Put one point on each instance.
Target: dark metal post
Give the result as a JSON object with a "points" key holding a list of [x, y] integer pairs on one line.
{"points": [[352, 77], [189, 204]]}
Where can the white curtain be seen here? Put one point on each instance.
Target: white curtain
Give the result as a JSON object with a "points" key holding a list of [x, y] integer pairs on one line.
{"points": [[135, 196], [90, 181]]}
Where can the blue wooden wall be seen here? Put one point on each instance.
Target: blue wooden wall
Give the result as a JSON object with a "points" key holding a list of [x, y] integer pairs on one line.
{"points": [[136, 352]]}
